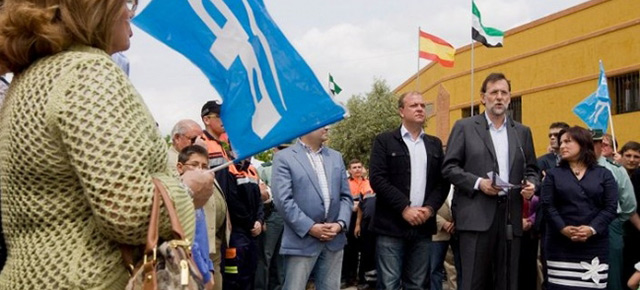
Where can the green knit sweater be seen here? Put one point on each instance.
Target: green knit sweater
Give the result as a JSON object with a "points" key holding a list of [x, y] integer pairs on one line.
{"points": [[78, 150]]}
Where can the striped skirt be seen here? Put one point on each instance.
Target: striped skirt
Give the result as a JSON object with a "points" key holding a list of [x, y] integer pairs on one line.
{"points": [[574, 265]]}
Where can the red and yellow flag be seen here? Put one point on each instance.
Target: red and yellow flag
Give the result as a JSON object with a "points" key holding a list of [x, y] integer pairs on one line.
{"points": [[436, 49]]}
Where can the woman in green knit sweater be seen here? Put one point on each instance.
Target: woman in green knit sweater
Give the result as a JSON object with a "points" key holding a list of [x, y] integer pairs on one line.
{"points": [[78, 148]]}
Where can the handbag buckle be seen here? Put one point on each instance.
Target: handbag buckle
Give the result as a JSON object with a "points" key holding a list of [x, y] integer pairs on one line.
{"points": [[180, 243], [154, 255]]}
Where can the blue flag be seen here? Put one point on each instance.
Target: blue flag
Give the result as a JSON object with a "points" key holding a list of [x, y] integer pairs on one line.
{"points": [[270, 95], [594, 109]]}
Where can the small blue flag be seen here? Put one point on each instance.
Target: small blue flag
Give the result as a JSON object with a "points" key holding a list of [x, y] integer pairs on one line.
{"points": [[594, 109], [270, 95]]}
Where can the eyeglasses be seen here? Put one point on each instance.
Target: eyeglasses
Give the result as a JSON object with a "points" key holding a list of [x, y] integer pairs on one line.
{"points": [[192, 139], [197, 165], [132, 5]]}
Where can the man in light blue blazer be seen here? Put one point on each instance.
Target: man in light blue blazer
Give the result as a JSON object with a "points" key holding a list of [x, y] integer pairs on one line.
{"points": [[311, 191]]}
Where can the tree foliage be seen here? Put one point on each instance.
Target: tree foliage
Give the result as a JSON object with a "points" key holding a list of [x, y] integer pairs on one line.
{"points": [[369, 116], [264, 156]]}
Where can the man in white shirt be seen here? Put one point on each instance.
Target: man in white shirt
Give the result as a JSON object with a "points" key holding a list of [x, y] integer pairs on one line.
{"points": [[405, 173], [488, 216]]}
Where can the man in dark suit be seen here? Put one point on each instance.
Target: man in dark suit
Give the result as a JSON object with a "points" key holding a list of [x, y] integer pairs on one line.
{"points": [[406, 174], [488, 216]]}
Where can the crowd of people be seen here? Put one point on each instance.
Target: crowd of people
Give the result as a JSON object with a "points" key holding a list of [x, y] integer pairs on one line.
{"points": [[80, 151]]}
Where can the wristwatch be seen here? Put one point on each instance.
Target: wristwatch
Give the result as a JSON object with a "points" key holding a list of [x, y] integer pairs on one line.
{"points": [[343, 225]]}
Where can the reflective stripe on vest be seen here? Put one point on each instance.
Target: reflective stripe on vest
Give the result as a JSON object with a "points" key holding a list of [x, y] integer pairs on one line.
{"points": [[231, 269], [217, 155], [244, 177]]}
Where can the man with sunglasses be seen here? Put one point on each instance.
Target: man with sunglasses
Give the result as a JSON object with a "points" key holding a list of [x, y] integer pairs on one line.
{"points": [[550, 160], [546, 162], [183, 134]]}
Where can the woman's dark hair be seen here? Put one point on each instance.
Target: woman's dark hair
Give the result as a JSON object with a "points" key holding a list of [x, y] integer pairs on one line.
{"points": [[584, 139]]}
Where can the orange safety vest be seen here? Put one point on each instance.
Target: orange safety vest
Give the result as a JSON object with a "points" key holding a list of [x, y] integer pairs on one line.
{"points": [[359, 187], [246, 176], [217, 154]]}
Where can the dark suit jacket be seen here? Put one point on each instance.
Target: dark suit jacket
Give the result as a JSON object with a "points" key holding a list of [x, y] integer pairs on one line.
{"points": [[547, 161], [592, 201], [390, 178], [470, 155]]}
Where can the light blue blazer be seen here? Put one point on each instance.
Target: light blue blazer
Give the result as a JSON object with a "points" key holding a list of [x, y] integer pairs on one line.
{"points": [[298, 198]]}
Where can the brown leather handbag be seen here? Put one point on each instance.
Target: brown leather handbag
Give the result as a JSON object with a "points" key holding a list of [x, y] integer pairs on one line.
{"points": [[169, 266]]}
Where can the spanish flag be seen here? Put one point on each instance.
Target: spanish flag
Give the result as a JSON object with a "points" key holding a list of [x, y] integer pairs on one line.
{"points": [[436, 49]]}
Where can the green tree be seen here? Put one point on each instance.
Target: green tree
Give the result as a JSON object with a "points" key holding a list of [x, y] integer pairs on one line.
{"points": [[369, 116], [264, 156]]}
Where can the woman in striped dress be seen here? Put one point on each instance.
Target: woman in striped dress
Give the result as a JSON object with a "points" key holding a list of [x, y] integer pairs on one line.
{"points": [[580, 199]]}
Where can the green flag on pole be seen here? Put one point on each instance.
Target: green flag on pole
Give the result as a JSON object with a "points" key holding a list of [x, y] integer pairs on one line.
{"points": [[488, 36], [333, 87]]}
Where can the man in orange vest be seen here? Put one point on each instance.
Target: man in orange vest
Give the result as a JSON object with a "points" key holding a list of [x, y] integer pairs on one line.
{"points": [[240, 186], [213, 129], [359, 238]]}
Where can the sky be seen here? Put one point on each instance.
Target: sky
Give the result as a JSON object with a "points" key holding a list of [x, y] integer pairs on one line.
{"points": [[357, 41]]}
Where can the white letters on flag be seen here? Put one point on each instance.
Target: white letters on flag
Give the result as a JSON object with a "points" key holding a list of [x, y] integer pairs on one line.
{"points": [[594, 109], [270, 95]]}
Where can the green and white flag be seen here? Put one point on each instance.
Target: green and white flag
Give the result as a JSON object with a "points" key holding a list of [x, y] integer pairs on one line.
{"points": [[488, 36], [333, 87]]}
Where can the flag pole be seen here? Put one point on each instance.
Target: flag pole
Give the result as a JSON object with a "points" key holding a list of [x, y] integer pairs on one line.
{"points": [[220, 167], [472, 55], [613, 132], [472, 59], [418, 67]]}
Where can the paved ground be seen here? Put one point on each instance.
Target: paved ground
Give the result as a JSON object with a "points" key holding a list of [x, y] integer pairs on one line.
{"points": [[445, 286]]}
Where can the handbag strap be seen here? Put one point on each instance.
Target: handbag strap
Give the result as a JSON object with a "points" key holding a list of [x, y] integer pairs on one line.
{"points": [[152, 235], [149, 264]]}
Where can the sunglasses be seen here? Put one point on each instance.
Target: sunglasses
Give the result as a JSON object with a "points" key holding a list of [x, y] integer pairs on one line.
{"points": [[192, 139]]}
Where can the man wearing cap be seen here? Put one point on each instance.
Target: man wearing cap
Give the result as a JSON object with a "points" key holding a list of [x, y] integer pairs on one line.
{"points": [[240, 185], [213, 129], [626, 209]]}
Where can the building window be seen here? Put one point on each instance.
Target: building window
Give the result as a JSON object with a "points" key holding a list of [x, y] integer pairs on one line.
{"points": [[515, 109], [466, 112], [430, 110], [625, 92]]}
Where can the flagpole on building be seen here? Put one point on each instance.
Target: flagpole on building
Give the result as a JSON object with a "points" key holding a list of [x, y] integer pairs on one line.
{"points": [[472, 64], [418, 67]]}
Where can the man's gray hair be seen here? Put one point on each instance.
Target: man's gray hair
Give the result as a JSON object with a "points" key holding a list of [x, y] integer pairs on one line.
{"points": [[182, 127]]}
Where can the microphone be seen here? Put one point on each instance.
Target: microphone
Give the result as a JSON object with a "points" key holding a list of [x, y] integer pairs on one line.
{"points": [[524, 157]]}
